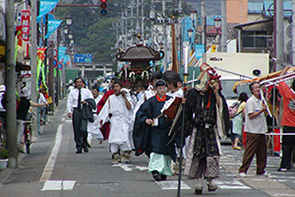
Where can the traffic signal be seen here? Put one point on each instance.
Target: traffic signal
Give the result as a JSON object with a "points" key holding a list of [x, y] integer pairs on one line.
{"points": [[103, 6]]}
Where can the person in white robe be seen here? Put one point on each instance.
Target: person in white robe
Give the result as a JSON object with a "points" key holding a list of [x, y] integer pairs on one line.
{"points": [[93, 129], [131, 120], [116, 110], [149, 92]]}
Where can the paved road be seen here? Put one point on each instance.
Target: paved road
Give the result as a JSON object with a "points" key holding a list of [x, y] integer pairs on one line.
{"points": [[53, 169]]}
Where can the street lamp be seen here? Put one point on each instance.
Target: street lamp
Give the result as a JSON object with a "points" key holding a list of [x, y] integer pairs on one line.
{"points": [[70, 35], [193, 16], [152, 15], [190, 32], [66, 30], [69, 20], [217, 23], [72, 42]]}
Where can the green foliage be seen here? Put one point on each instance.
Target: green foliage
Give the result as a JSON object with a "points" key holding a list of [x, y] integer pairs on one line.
{"points": [[4, 154], [94, 34]]}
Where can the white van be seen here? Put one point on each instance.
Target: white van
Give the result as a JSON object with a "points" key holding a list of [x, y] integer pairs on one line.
{"points": [[234, 67]]}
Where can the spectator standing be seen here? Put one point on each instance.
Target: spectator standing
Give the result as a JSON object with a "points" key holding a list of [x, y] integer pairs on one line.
{"points": [[255, 128], [42, 110], [2, 94], [238, 120], [288, 122], [22, 112]]}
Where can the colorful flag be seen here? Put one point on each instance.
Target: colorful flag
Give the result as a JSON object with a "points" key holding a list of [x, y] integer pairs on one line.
{"points": [[45, 7], [52, 26]]}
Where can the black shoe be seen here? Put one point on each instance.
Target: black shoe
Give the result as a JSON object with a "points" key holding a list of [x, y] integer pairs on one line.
{"points": [[156, 175], [86, 150], [88, 145], [79, 151], [163, 177], [198, 191]]}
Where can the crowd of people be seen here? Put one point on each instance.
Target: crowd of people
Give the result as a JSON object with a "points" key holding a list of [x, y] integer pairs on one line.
{"points": [[134, 121]]}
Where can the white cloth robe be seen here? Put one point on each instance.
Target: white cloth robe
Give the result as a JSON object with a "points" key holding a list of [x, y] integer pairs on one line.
{"points": [[178, 93], [147, 94], [94, 127], [120, 120]]}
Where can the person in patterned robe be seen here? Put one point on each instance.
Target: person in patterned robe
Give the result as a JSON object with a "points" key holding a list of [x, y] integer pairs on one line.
{"points": [[207, 120]]}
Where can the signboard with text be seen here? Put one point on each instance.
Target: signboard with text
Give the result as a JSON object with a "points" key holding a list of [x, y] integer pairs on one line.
{"points": [[199, 50], [83, 58], [25, 24]]}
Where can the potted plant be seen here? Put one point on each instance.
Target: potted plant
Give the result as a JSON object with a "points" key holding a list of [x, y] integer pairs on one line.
{"points": [[4, 155]]}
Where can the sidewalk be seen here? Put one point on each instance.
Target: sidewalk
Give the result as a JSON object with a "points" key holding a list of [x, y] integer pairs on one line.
{"points": [[275, 183], [40, 151]]}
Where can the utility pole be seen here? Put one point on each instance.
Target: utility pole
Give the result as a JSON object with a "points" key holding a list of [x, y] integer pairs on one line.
{"points": [[122, 30], [126, 27], [10, 77], [58, 79], [279, 33], [50, 54], [223, 27], [293, 32], [152, 18], [132, 22], [137, 16], [165, 35], [179, 43], [204, 31], [142, 19], [33, 53]]}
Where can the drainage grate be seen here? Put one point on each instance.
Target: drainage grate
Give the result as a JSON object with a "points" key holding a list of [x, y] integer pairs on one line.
{"points": [[101, 184]]}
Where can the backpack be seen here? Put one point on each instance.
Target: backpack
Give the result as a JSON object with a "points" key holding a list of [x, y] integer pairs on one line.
{"points": [[232, 110]]}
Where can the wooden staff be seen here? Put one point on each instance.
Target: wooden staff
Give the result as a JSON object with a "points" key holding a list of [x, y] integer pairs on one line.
{"points": [[174, 49]]}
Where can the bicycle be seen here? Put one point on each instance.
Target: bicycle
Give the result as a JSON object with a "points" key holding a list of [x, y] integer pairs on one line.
{"points": [[28, 125], [28, 135]]}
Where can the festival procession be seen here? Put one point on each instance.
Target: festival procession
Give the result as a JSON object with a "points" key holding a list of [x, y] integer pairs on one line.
{"points": [[147, 98]]}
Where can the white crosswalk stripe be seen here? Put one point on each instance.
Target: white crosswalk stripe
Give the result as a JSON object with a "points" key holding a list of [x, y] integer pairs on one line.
{"points": [[235, 184], [57, 185], [172, 185]]}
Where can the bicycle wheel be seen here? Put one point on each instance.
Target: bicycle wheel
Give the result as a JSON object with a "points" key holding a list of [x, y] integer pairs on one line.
{"points": [[27, 138], [28, 150]]}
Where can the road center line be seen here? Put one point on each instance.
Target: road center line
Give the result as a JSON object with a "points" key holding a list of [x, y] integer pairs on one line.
{"points": [[53, 156]]}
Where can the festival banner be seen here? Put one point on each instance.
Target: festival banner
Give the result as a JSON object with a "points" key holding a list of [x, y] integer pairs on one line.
{"points": [[25, 24], [52, 26], [45, 7], [61, 52], [67, 61]]}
